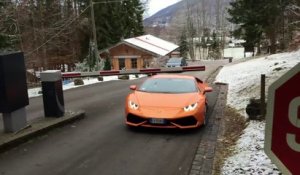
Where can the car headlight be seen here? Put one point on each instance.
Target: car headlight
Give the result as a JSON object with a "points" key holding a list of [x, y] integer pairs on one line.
{"points": [[190, 107], [133, 105]]}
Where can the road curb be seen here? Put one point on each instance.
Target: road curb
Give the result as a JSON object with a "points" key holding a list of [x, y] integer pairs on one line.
{"points": [[203, 161], [37, 128]]}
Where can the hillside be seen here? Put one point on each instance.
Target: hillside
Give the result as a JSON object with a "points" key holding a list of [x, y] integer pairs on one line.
{"points": [[205, 14], [162, 17]]}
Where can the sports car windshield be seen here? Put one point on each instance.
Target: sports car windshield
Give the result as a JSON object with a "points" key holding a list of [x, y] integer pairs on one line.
{"points": [[169, 85]]}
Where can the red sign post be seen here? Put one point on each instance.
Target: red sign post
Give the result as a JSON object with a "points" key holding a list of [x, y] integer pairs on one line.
{"points": [[282, 139]]}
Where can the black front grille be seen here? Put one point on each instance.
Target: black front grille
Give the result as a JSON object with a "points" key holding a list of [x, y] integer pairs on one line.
{"points": [[134, 119], [186, 121]]}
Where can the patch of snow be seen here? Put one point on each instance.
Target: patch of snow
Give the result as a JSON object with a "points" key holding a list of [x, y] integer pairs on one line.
{"points": [[244, 78], [249, 156], [34, 92], [244, 83]]}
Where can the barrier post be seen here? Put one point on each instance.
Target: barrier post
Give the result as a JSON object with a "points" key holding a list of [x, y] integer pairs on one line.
{"points": [[13, 91], [53, 98]]}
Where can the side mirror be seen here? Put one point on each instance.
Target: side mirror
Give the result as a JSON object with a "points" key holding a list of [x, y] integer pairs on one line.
{"points": [[208, 89], [133, 87]]}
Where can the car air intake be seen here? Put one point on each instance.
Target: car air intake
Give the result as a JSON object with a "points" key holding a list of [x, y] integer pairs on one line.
{"points": [[134, 119], [186, 121]]}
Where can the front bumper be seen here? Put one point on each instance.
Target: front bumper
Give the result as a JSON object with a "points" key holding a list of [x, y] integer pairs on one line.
{"points": [[185, 122]]}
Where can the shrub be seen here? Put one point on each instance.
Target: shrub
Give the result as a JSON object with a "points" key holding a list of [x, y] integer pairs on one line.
{"points": [[278, 69], [100, 78], [123, 77], [253, 110], [78, 82]]}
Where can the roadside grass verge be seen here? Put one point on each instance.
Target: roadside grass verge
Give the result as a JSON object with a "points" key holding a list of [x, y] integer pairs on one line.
{"points": [[232, 126]]}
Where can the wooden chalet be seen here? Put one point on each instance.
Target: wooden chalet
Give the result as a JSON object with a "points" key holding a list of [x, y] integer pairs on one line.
{"points": [[139, 52]]}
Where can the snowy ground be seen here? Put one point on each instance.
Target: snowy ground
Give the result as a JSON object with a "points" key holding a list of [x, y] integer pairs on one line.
{"points": [[34, 92], [244, 83]]}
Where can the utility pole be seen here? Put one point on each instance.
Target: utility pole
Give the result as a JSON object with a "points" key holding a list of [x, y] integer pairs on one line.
{"points": [[93, 23], [94, 33]]}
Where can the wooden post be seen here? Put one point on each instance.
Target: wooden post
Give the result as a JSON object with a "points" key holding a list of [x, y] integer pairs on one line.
{"points": [[262, 95]]}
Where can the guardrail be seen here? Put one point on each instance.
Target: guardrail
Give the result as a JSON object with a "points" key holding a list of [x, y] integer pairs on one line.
{"points": [[133, 71]]}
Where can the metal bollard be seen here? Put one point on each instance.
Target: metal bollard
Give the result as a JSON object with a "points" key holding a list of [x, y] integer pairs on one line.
{"points": [[53, 98]]}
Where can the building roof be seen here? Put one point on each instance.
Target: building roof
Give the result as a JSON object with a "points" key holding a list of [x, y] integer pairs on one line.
{"points": [[152, 44]]}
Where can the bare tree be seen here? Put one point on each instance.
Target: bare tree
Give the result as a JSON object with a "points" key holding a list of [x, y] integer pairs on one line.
{"points": [[294, 9], [190, 29], [218, 14], [48, 32]]}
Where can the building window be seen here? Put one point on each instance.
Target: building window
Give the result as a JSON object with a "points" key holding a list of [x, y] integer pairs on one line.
{"points": [[133, 63], [121, 64]]}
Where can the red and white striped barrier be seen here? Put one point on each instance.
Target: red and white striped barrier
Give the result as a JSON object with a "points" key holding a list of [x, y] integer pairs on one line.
{"points": [[133, 71]]}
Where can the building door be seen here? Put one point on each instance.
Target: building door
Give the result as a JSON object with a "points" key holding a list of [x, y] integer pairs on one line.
{"points": [[121, 63], [133, 63]]}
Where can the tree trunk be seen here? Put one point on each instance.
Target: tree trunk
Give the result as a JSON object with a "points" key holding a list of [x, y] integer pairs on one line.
{"points": [[218, 12], [258, 48], [272, 37]]}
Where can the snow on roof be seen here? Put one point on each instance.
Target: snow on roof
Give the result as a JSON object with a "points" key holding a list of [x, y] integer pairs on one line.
{"points": [[152, 44]]}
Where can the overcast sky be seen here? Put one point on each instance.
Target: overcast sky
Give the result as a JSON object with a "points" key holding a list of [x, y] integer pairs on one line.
{"points": [[156, 5]]}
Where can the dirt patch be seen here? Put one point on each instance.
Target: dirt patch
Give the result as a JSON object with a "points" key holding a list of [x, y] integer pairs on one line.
{"points": [[232, 126]]}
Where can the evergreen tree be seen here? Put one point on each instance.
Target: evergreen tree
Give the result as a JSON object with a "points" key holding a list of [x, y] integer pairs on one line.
{"points": [[107, 64], [248, 15], [215, 47], [183, 46], [138, 27], [8, 30], [257, 18], [215, 42], [118, 20]]}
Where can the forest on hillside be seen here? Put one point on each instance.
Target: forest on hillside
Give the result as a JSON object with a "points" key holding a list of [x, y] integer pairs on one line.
{"points": [[55, 33], [267, 26], [271, 23]]}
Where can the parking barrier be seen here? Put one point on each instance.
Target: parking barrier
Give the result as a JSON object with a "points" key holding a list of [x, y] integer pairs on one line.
{"points": [[133, 71]]}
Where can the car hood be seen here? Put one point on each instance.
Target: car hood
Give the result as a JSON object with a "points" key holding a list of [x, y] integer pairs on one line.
{"points": [[162, 100]]}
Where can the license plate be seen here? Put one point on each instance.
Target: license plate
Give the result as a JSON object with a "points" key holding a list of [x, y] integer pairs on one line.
{"points": [[157, 121]]}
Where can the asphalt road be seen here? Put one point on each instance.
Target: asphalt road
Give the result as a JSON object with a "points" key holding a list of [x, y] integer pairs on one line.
{"points": [[101, 143]]}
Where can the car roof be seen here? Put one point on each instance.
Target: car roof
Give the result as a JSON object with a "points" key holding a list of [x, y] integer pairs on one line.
{"points": [[177, 59], [173, 76]]}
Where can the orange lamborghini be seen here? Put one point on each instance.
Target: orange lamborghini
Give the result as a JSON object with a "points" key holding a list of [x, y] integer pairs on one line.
{"points": [[168, 101]]}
